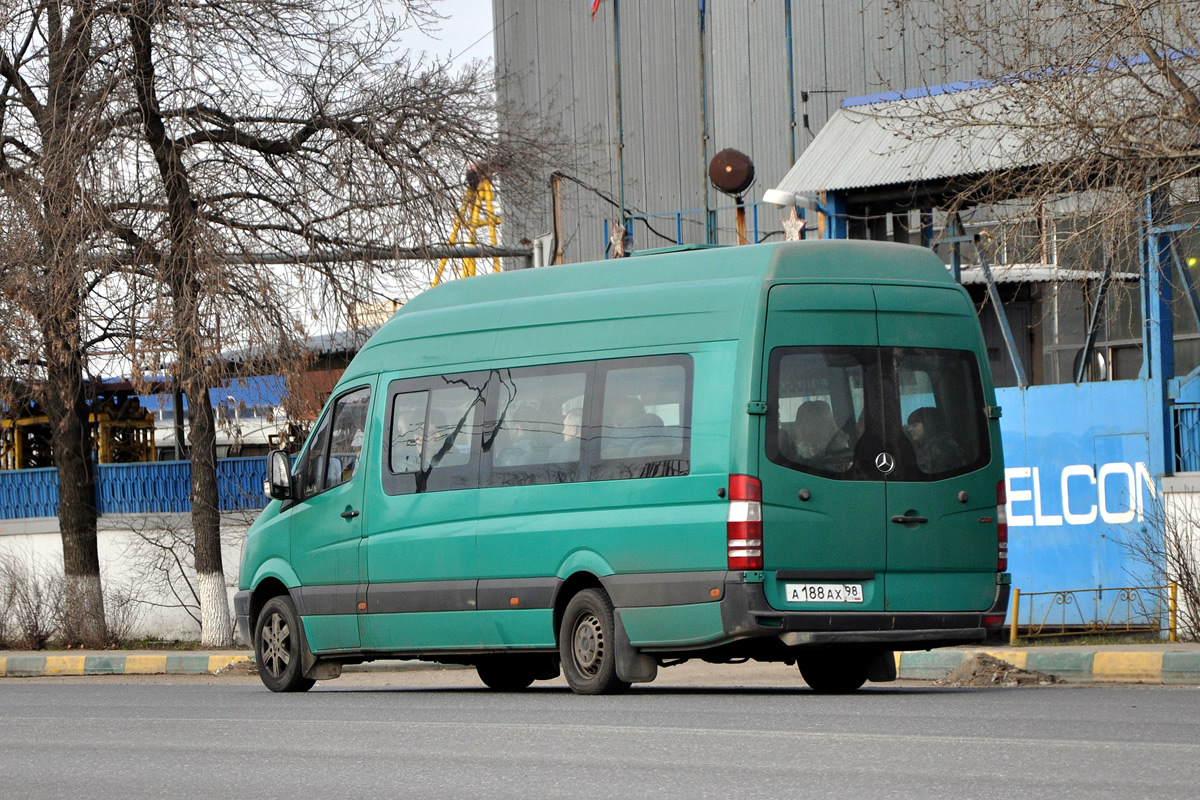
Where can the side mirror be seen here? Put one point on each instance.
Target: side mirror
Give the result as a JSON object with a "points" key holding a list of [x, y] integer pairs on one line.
{"points": [[278, 485]]}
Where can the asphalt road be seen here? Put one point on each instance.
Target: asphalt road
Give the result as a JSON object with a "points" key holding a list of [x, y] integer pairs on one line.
{"points": [[442, 735]]}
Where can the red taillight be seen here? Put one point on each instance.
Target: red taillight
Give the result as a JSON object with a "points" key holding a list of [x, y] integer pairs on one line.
{"points": [[1001, 528], [743, 529], [993, 622]]}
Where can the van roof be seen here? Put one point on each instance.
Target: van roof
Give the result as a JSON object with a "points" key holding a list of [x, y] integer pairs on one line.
{"points": [[822, 259], [716, 281]]}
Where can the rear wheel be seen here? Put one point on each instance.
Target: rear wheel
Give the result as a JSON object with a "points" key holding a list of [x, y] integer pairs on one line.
{"points": [[830, 673], [506, 673], [277, 647], [587, 646]]}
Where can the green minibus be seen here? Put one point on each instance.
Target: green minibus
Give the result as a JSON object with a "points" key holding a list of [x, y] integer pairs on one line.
{"points": [[782, 452]]}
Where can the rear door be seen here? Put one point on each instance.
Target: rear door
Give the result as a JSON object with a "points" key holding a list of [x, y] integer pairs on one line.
{"points": [[825, 540], [941, 497]]}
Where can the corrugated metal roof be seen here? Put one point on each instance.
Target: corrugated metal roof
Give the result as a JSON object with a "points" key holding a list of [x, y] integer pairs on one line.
{"points": [[913, 139], [973, 127]]}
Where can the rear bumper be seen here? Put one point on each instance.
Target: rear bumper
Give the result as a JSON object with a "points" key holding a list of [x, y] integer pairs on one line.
{"points": [[745, 613]]}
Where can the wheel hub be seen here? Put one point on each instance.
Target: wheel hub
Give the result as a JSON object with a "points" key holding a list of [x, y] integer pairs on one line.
{"points": [[589, 644], [275, 653]]}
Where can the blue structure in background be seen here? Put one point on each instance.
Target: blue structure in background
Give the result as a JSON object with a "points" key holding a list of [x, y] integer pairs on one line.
{"points": [[1081, 480], [264, 390], [1084, 460], [161, 488]]}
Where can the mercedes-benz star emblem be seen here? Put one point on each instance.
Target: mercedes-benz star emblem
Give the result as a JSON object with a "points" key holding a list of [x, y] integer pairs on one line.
{"points": [[885, 463]]}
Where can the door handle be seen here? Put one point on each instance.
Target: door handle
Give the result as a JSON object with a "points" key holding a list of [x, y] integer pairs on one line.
{"points": [[350, 513], [904, 519]]}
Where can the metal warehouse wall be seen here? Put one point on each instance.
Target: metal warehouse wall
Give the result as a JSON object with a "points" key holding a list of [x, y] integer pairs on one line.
{"points": [[553, 58]]}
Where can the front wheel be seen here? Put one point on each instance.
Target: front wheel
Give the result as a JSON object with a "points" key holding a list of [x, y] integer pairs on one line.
{"points": [[833, 674], [277, 647], [587, 644]]}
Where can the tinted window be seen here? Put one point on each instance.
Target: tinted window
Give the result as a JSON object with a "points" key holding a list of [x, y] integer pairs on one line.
{"points": [[819, 405], [433, 424], [407, 431], [537, 434], [645, 418], [602, 420], [332, 457], [832, 410], [941, 405]]}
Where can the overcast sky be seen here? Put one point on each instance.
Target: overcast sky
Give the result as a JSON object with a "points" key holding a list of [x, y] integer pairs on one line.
{"points": [[465, 35]]}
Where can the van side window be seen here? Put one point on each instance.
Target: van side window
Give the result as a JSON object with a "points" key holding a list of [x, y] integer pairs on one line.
{"points": [[645, 419], [407, 431], [539, 423], [433, 427], [451, 423], [333, 455]]}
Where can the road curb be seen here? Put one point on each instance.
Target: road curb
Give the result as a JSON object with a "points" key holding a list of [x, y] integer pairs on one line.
{"points": [[1110, 666], [1179, 668], [35, 666]]}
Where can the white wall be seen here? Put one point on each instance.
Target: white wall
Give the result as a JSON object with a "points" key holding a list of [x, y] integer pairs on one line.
{"points": [[37, 541]]}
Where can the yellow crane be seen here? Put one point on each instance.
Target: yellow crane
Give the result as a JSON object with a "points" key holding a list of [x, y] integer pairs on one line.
{"points": [[476, 212]]}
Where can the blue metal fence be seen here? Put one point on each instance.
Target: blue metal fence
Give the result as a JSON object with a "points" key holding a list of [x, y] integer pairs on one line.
{"points": [[162, 487], [1187, 432]]}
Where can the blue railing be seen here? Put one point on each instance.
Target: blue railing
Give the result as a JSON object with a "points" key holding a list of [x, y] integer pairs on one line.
{"points": [[162, 487], [1187, 437], [663, 228]]}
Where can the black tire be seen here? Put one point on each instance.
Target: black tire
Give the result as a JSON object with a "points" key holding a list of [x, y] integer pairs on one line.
{"points": [[830, 673], [587, 645], [506, 673], [277, 647]]}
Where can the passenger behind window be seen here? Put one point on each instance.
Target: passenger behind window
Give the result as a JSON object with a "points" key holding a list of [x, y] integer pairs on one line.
{"points": [[936, 449], [516, 444], [625, 420], [568, 449], [816, 436]]}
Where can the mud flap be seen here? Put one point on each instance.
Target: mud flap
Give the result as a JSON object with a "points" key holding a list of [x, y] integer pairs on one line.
{"points": [[881, 667], [315, 668], [632, 666]]}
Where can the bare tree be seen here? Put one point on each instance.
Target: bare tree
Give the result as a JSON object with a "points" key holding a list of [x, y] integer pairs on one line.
{"points": [[314, 138], [1097, 99], [1168, 544], [52, 112], [233, 159]]}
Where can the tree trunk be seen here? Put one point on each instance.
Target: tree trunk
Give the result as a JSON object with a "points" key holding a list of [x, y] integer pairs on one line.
{"points": [[66, 407], [216, 629], [181, 273]]}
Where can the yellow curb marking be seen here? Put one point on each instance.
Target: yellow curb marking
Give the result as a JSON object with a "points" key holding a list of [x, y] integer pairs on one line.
{"points": [[3, 666], [1015, 657], [221, 662], [1127, 667], [145, 665], [64, 665]]}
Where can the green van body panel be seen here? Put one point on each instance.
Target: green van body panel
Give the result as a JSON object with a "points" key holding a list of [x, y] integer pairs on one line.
{"points": [[453, 575], [274, 568]]}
